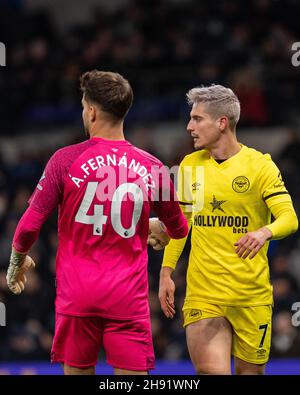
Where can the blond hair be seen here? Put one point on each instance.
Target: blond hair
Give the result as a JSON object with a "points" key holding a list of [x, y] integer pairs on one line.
{"points": [[218, 101]]}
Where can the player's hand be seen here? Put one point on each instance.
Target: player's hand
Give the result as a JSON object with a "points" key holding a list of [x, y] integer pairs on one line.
{"points": [[19, 264], [252, 242], [158, 237], [166, 292]]}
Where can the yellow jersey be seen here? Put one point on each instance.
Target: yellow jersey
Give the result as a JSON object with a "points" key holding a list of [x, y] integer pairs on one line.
{"points": [[222, 202]]}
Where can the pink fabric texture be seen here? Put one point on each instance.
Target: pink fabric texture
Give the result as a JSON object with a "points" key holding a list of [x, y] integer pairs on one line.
{"points": [[104, 190], [128, 344]]}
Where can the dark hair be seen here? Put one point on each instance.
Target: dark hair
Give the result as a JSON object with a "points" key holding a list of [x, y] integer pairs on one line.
{"points": [[109, 90]]}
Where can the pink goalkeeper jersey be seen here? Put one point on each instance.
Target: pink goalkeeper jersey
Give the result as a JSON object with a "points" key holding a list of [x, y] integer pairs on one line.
{"points": [[104, 190]]}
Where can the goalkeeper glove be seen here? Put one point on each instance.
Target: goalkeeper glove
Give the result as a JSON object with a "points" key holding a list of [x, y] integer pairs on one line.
{"points": [[19, 264], [158, 237]]}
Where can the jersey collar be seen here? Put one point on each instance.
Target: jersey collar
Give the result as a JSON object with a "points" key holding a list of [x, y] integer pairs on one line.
{"points": [[229, 160]]}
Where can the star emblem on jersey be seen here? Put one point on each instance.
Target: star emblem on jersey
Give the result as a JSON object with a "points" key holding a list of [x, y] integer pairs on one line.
{"points": [[216, 204]]}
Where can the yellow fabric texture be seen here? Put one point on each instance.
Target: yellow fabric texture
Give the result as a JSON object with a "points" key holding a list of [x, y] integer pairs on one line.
{"points": [[252, 328], [285, 220], [222, 202]]}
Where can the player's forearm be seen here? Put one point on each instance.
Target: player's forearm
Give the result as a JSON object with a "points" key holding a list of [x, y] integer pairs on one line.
{"points": [[172, 252], [175, 247], [286, 221], [17, 257], [169, 212], [166, 271], [28, 230], [177, 226]]}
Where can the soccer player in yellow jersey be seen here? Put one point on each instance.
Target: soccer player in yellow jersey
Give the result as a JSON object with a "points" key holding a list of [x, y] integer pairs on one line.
{"points": [[228, 193]]}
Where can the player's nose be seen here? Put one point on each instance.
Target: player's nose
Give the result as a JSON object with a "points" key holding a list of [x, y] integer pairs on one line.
{"points": [[189, 128]]}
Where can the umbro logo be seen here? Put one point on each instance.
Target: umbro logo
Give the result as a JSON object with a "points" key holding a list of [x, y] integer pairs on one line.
{"points": [[196, 186]]}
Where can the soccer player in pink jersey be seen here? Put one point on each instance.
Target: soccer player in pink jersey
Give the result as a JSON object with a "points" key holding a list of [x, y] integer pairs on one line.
{"points": [[104, 188]]}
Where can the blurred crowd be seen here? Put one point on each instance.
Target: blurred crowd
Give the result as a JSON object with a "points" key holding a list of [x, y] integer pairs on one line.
{"points": [[163, 47], [163, 51]]}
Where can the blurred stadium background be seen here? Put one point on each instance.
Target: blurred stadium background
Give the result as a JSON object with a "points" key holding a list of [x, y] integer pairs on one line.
{"points": [[164, 47]]}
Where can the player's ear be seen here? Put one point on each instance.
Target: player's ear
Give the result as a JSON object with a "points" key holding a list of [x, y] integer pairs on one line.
{"points": [[223, 123], [92, 113]]}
